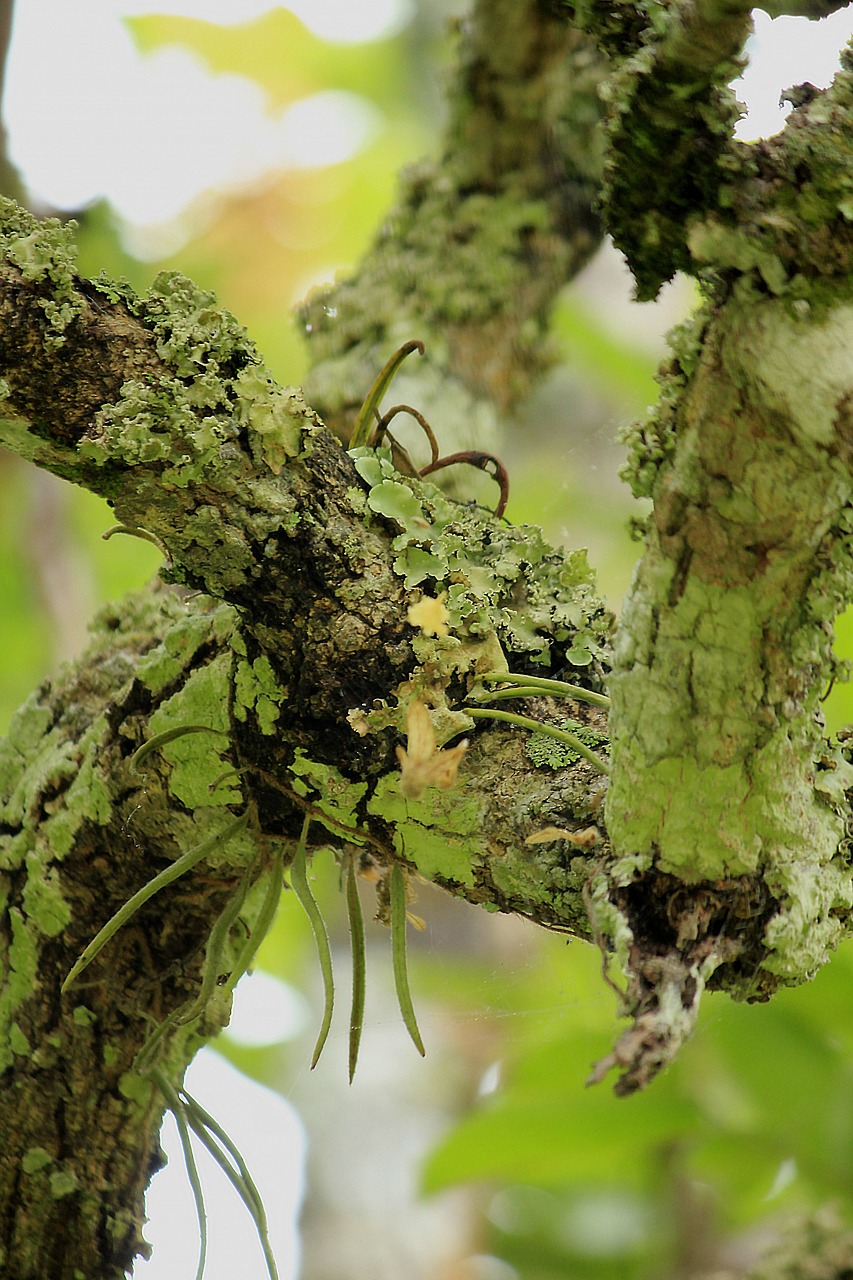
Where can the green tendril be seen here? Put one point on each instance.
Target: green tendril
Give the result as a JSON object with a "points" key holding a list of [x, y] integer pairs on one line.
{"points": [[302, 889], [359, 965], [168, 735], [398, 954], [540, 726], [558, 687], [171, 873], [364, 423]]}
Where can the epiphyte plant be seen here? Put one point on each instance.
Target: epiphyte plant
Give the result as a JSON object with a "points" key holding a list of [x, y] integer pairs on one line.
{"points": [[370, 429]]}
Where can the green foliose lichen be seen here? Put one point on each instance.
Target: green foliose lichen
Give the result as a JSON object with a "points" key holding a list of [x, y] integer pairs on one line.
{"points": [[198, 759], [329, 792], [37, 759], [167, 661], [35, 1159], [43, 249], [507, 581], [440, 834], [256, 689], [194, 334], [63, 1182], [277, 417], [215, 396]]}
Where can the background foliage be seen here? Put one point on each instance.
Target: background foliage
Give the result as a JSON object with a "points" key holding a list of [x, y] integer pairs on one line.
{"points": [[756, 1120]]}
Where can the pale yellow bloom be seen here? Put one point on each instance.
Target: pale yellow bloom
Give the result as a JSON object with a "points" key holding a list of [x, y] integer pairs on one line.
{"points": [[421, 764], [430, 615]]}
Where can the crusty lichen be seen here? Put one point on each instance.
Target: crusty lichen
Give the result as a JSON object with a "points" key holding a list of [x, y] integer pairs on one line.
{"points": [[725, 643]]}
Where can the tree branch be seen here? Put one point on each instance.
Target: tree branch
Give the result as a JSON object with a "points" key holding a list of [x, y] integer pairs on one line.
{"points": [[482, 239], [721, 776], [315, 667]]}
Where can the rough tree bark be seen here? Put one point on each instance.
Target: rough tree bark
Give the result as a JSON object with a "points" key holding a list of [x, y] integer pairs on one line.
{"points": [[293, 629]]}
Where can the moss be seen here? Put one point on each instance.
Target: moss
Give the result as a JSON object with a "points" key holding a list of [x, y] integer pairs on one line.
{"points": [[548, 752]]}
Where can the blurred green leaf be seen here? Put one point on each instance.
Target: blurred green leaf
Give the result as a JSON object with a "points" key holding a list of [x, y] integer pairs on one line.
{"points": [[602, 353], [568, 1136]]}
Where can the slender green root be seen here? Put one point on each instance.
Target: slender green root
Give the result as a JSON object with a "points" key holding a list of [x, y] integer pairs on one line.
{"points": [[169, 735], [558, 687], [398, 954], [359, 965], [539, 726], [262, 925], [172, 873], [213, 957], [227, 1156], [300, 886], [144, 1061], [135, 532], [176, 1106]]}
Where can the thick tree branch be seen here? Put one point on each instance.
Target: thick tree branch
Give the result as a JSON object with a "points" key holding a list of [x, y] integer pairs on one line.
{"points": [[355, 605], [313, 668], [175, 421], [721, 775], [482, 239]]}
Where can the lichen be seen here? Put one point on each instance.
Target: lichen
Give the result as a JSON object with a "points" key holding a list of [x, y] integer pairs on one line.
{"points": [[277, 416], [329, 792], [257, 690], [44, 250], [213, 398], [63, 1182], [35, 1159], [198, 759], [167, 661], [505, 581]]}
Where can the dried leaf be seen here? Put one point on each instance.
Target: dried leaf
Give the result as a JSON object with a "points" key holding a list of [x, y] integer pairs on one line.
{"points": [[582, 839]]}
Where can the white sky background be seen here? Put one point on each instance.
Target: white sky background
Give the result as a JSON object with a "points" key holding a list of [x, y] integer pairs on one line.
{"points": [[87, 117]]}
